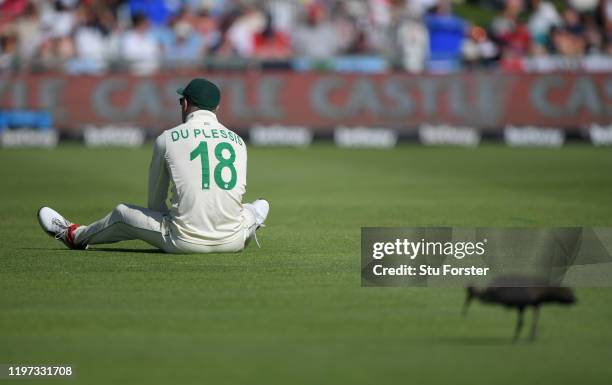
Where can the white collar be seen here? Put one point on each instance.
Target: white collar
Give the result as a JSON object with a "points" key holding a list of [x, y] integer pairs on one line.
{"points": [[202, 114]]}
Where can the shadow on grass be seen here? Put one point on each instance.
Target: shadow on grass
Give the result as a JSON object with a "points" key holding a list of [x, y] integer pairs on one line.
{"points": [[103, 249], [475, 341], [126, 250]]}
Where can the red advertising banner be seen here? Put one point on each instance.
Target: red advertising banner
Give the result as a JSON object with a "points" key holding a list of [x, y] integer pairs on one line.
{"points": [[323, 101]]}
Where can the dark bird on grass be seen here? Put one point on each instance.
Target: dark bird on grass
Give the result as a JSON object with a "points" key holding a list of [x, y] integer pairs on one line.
{"points": [[520, 293]]}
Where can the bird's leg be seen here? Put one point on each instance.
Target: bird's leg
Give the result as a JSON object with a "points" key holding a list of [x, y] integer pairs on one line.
{"points": [[534, 324], [519, 323]]}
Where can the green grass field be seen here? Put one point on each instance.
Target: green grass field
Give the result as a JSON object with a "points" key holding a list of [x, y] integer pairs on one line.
{"points": [[293, 312]]}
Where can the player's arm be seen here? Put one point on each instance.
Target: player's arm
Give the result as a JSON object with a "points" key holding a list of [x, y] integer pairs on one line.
{"points": [[159, 179]]}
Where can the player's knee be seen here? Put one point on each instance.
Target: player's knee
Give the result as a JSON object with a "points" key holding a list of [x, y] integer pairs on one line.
{"points": [[119, 212]]}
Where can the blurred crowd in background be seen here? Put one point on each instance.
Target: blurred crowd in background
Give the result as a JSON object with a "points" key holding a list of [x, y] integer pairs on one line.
{"points": [[146, 36]]}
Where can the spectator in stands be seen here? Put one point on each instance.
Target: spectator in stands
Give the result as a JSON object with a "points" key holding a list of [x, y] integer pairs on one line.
{"points": [[185, 47], [412, 37], [57, 22], [139, 47], [270, 44], [250, 21], [8, 48], [9, 9], [157, 12], [511, 35], [316, 38], [55, 51], [593, 35], [478, 50], [208, 27], [29, 34], [544, 16], [572, 22], [570, 38], [379, 29], [604, 21], [224, 47], [92, 41], [446, 35], [351, 39]]}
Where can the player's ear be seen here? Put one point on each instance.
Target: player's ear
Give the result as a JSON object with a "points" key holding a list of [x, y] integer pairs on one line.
{"points": [[185, 105]]}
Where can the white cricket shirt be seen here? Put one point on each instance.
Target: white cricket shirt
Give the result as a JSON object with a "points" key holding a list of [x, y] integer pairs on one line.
{"points": [[205, 164]]}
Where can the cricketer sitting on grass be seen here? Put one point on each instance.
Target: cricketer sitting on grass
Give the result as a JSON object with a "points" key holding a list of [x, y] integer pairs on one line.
{"points": [[206, 165]]}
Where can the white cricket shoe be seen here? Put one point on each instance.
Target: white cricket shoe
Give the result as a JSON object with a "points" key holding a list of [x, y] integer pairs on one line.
{"points": [[58, 227], [260, 209]]}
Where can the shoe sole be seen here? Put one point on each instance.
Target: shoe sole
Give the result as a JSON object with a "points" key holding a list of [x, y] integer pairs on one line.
{"points": [[49, 233]]}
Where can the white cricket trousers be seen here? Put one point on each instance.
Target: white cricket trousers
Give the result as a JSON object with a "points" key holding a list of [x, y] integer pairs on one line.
{"points": [[128, 222]]}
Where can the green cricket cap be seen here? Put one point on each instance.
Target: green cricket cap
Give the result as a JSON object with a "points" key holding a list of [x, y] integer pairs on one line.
{"points": [[202, 93]]}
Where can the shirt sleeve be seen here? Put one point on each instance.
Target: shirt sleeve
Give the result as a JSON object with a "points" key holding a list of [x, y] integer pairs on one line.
{"points": [[159, 178]]}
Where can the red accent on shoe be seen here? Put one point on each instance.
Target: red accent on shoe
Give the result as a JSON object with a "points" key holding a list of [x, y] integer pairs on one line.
{"points": [[70, 234]]}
